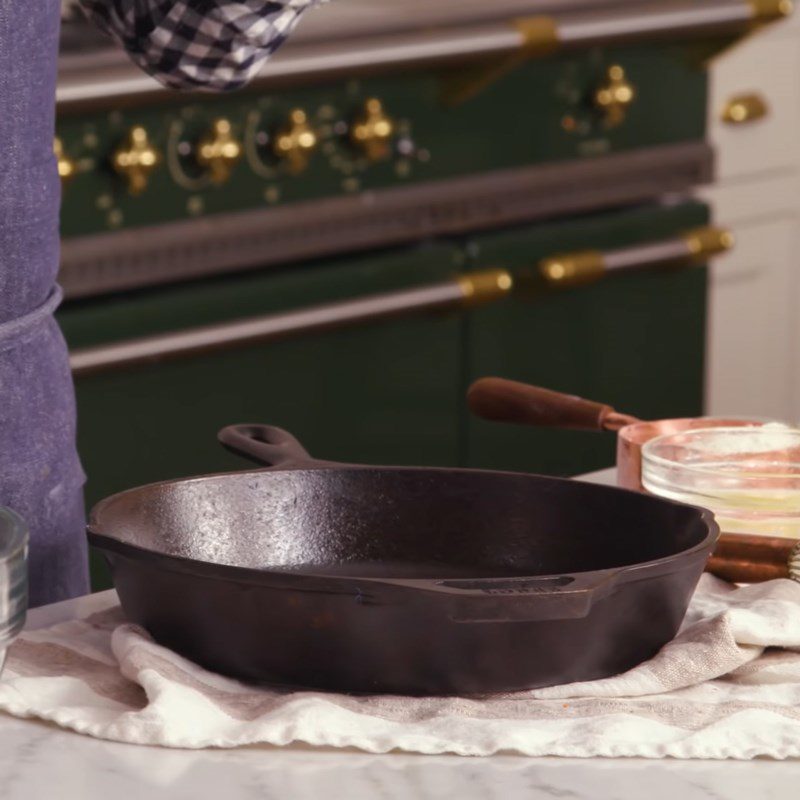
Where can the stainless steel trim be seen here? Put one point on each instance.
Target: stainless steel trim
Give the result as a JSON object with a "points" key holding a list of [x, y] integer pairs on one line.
{"points": [[676, 18], [92, 360]]}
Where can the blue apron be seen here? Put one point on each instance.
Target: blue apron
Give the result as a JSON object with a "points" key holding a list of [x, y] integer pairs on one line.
{"points": [[40, 474]]}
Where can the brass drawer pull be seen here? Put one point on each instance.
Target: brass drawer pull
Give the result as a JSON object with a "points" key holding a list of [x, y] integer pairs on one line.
{"points": [[465, 291], [692, 247], [743, 108]]}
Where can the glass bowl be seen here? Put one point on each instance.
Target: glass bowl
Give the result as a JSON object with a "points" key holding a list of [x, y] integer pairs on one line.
{"points": [[749, 477], [632, 438], [13, 578]]}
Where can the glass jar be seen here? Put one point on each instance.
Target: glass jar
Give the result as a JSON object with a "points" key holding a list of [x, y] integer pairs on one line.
{"points": [[749, 477], [13, 578]]}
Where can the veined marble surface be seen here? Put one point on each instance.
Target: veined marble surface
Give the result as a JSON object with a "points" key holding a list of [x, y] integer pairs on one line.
{"points": [[38, 760]]}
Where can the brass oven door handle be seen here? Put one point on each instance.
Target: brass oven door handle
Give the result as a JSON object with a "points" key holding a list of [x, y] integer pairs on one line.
{"points": [[542, 34], [464, 291], [586, 266], [530, 36]]}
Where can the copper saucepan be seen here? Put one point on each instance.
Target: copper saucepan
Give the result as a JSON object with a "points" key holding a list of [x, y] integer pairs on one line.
{"points": [[502, 400], [740, 558]]}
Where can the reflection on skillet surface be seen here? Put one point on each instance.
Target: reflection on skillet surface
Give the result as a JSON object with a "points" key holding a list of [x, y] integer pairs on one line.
{"points": [[411, 523]]}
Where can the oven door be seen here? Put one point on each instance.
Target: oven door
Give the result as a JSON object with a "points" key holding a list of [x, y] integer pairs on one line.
{"points": [[358, 357], [633, 339]]}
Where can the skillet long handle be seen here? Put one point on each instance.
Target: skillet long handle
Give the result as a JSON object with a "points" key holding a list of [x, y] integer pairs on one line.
{"points": [[503, 400], [743, 558], [264, 444]]}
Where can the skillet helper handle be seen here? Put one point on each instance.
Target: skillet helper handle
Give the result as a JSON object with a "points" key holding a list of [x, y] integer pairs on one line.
{"points": [[525, 599], [743, 558], [264, 444], [503, 400]]}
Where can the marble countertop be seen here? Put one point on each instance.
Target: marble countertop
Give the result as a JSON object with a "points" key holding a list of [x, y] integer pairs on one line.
{"points": [[38, 760]]}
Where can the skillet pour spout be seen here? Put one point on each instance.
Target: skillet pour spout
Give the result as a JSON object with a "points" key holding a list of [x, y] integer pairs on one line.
{"points": [[404, 580]]}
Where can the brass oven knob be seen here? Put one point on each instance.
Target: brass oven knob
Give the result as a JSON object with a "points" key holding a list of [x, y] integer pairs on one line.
{"points": [[614, 96], [66, 166], [372, 131], [136, 159], [296, 141], [219, 151]]}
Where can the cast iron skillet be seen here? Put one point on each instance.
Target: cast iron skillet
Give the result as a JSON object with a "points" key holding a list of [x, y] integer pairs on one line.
{"points": [[400, 579]]}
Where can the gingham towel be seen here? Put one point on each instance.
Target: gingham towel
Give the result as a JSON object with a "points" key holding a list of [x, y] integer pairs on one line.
{"points": [[727, 687]]}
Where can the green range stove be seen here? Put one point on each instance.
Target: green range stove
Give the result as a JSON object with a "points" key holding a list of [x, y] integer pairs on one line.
{"points": [[410, 196]]}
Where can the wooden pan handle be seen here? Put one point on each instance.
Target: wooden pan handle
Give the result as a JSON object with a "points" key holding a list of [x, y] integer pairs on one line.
{"points": [[502, 400], [743, 558]]}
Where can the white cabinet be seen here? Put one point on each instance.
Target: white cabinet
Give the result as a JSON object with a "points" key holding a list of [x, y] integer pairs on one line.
{"points": [[764, 68], [753, 357], [752, 327]]}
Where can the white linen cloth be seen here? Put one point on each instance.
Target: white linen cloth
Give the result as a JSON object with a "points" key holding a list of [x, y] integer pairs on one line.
{"points": [[728, 686]]}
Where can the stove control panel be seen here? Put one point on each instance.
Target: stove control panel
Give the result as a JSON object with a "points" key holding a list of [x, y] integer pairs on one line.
{"points": [[289, 146], [190, 155]]}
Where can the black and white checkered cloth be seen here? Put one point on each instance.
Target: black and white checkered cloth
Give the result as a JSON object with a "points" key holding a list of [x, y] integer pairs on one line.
{"points": [[205, 44]]}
